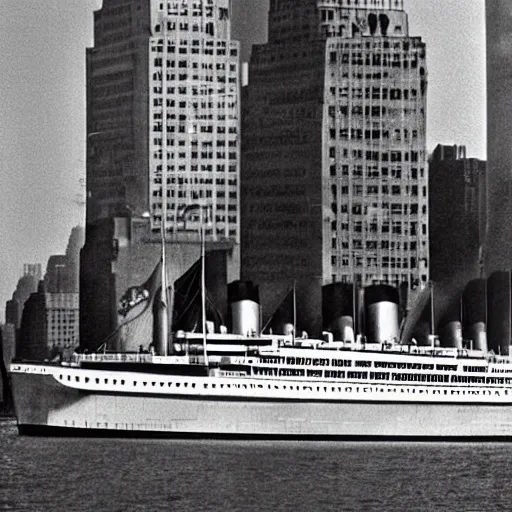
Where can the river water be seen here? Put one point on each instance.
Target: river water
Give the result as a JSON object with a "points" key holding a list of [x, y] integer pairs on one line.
{"points": [[63, 474]]}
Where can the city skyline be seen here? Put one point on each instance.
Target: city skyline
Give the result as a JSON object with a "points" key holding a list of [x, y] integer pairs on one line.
{"points": [[45, 76]]}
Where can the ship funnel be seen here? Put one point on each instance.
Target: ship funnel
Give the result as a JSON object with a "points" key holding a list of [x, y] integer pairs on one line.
{"points": [[451, 334], [381, 307], [345, 326], [477, 336], [474, 314], [244, 301], [287, 329], [338, 310]]}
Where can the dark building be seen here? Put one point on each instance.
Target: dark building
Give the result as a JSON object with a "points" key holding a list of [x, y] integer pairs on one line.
{"points": [[32, 340], [498, 251], [499, 312], [125, 256], [334, 176], [4, 379], [75, 244], [457, 206], [11, 312], [27, 284]]}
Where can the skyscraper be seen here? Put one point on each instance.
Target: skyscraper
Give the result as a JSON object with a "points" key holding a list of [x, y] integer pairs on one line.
{"points": [[334, 176], [498, 248], [162, 103], [457, 232], [162, 134]]}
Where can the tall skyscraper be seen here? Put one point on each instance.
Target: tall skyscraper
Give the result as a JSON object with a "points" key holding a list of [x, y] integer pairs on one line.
{"points": [[163, 133], [498, 248], [334, 176], [457, 232], [163, 113]]}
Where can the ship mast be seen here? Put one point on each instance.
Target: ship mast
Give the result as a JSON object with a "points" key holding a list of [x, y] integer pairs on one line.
{"points": [[203, 284], [164, 315], [294, 312], [432, 315]]}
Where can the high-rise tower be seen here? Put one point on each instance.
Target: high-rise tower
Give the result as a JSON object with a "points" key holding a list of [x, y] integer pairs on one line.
{"points": [[163, 112], [498, 247], [460, 182], [334, 175], [162, 134]]}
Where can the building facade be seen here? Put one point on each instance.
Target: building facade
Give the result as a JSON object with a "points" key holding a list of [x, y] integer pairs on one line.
{"points": [[498, 248], [334, 174], [62, 316], [163, 114]]}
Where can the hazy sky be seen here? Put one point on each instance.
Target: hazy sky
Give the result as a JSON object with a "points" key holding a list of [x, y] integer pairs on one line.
{"points": [[42, 111]]}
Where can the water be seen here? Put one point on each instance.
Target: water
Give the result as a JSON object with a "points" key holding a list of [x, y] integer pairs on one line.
{"points": [[60, 474]]}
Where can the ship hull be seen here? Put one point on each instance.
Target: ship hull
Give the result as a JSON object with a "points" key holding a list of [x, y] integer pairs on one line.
{"points": [[46, 407]]}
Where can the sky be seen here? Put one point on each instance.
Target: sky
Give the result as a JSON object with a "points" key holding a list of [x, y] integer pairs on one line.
{"points": [[42, 110]]}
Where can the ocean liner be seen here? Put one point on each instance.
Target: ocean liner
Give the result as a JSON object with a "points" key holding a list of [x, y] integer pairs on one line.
{"points": [[247, 384]]}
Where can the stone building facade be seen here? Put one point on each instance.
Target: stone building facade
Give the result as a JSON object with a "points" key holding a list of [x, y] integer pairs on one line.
{"points": [[334, 174]]}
